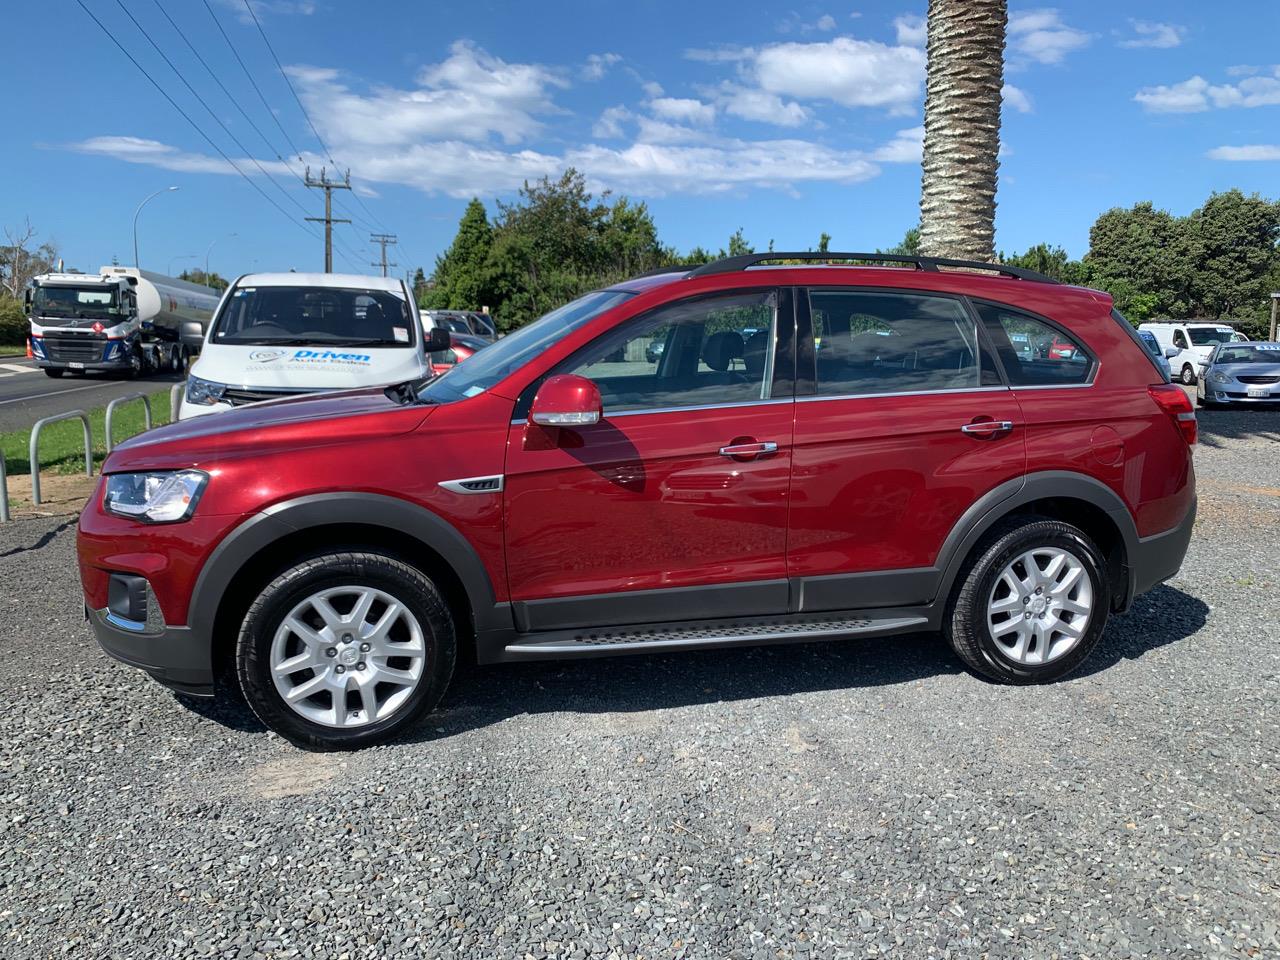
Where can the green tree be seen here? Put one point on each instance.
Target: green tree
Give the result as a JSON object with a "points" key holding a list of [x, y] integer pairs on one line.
{"points": [[1141, 250], [738, 245], [210, 279], [462, 279], [908, 246], [824, 243], [1051, 261], [1230, 245]]}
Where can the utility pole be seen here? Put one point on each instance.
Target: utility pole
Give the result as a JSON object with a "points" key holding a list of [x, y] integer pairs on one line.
{"points": [[328, 186], [384, 239]]}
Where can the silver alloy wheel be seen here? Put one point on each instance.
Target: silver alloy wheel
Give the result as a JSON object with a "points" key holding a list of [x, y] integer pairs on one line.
{"points": [[1040, 605], [348, 656]]}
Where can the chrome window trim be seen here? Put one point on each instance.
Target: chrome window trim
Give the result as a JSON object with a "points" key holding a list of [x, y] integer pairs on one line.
{"points": [[695, 407], [903, 393]]}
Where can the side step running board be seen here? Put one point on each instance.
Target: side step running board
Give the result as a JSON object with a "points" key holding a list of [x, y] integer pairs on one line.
{"points": [[743, 631]]}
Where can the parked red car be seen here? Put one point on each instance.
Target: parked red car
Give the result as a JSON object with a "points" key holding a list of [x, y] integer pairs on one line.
{"points": [[562, 495], [462, 347]]}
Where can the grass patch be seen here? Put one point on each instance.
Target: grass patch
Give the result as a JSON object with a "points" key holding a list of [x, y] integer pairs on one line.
{"points": [[62, 444]]}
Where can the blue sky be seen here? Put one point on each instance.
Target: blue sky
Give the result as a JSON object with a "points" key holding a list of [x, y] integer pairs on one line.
{"points": [[786, 120]]}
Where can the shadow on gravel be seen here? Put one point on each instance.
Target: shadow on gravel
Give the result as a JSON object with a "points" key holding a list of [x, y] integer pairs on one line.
{"points": [[482, 696], [1216, 426]]}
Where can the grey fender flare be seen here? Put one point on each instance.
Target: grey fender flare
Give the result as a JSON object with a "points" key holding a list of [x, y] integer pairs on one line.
{"points": [[369, 509], [996, 504]]}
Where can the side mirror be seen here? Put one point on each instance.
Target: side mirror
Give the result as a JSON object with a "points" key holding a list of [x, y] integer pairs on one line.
{"points": [[1171, 352], [438, 339], [566, 400], [190, 334]]}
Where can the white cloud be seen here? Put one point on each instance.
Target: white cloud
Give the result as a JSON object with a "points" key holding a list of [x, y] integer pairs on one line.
{"points": [[719, 54], [1041, 35], [682, 110], [1158, 35], [912, 30], [1016, 98], [907, 146], [652, 88], [471, 96], [794, 23], [853, 73], [609, 126], [750, 104], [1197, 94], [598, 65], [1256, 151], [156, 154], [266, 8], [826, 22]]}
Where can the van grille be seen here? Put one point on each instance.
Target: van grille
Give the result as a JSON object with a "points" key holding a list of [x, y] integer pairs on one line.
{"points": [[239, 396]]}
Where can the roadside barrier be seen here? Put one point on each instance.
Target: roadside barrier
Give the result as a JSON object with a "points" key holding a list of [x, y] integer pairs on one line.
{"points": [[33, 449], [175, 401], [146, 405]]}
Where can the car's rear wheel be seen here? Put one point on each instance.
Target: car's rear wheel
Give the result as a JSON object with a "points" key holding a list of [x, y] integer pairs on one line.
{"points": [[345, 650], [1188, 375], [1031, 604]]}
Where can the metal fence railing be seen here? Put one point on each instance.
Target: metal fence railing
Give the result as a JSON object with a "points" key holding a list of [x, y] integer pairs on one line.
{"points": [[33, 449], [127, 398]]}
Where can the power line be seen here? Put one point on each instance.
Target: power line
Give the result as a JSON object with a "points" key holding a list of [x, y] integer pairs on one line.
{"points": [[256, 89], [328, 186], [384, 240], [249, 6], [192, 90], [195, 126]]}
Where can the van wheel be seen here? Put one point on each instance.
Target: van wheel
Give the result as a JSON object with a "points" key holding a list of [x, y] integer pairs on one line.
{"points": [[1031, 604], [345, 650], [1188, 375]]}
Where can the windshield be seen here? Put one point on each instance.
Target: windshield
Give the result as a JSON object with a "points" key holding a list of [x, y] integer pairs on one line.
{"points": [[1208, 336], [1252, 353], [497, 361], [96, 302], [303, 315]]}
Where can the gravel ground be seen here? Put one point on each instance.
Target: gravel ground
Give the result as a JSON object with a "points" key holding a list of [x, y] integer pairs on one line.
{"points": [[855, 799]]}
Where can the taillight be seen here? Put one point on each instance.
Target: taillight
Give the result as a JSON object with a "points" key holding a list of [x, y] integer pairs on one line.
{"points": [[1174, 402]]}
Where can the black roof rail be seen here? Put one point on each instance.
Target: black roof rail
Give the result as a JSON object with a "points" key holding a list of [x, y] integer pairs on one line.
{"points": [[733, 264]]}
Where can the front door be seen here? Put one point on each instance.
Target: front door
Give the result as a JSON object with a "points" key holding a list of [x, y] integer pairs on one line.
{"points": [[905, 424], [674, 505]]}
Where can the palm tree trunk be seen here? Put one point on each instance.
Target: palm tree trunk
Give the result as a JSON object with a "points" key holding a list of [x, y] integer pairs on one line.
{"points": [[962, 128]]}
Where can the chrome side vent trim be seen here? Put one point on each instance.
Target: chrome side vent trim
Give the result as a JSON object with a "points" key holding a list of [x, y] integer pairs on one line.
{"points": [[474, 484]]}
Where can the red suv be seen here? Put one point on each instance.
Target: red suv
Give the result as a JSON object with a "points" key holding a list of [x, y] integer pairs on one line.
{"points": [[571, 492]]}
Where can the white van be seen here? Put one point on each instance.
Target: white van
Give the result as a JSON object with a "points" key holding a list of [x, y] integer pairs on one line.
{"points": [[281, 334], [1193, 341]]}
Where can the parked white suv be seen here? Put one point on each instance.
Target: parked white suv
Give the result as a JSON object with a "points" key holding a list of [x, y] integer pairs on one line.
{"points": [[1193, 343], [283, 334]]}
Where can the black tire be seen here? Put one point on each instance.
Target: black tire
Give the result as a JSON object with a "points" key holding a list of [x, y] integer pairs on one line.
{"points": [[966, 627], [51, 372], [1188, 376], [403, 582]]}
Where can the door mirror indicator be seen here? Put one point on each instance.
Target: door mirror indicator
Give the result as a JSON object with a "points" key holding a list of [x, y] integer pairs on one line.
{"points": [[566, 400]]}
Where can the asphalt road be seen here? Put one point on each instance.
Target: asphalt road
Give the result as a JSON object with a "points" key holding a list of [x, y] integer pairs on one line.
{"points": [[26, 394], [844, 800]]}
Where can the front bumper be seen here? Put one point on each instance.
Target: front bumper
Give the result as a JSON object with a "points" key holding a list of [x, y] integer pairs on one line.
{"points": [[111, 366], [1157, 558], [175, 656]]}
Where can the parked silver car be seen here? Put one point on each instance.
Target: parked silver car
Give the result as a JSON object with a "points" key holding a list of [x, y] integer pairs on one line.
{"points": [[1240, 373]]}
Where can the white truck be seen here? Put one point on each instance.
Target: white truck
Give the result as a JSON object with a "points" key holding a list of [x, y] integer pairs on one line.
{"points": [[121, 320], [1188, 344]]}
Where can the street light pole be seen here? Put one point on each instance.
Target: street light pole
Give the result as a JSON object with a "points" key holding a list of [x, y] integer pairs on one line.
{"points": [[206, 253], [135, 221]]}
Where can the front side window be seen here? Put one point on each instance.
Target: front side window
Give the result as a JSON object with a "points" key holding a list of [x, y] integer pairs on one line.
{"points": [[303, 315], [700, 352], [869, 342], [1055, 358], [1179, 340]]}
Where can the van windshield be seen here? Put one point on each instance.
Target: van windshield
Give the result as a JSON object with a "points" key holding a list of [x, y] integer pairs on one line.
{"points": [[496, 362], [302, 315], [1209, 336]]}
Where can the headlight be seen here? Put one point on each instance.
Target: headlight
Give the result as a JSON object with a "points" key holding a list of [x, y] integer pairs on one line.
{"points": [[161, 496], [204, 392], [1217, 376]]}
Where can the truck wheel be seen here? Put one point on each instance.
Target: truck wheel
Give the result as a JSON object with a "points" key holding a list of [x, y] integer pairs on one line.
{"points": [[51, 372], [1031, 604], [176, 359], [345, 650], [1188, 375]]}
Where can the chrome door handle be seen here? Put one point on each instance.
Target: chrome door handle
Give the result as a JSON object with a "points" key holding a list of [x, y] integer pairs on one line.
{"points": [[987, 428], [749, 449]]}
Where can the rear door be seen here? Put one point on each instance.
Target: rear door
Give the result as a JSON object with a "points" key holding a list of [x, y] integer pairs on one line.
{"points": [[906, 423], [674, 505]]}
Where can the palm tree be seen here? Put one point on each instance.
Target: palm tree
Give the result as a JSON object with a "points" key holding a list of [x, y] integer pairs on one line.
{"points": [[962, 128]]}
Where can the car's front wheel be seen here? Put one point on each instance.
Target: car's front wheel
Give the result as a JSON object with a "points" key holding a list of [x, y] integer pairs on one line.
{"points": [[1031, 604], [345, 650], [1188, 375]]}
